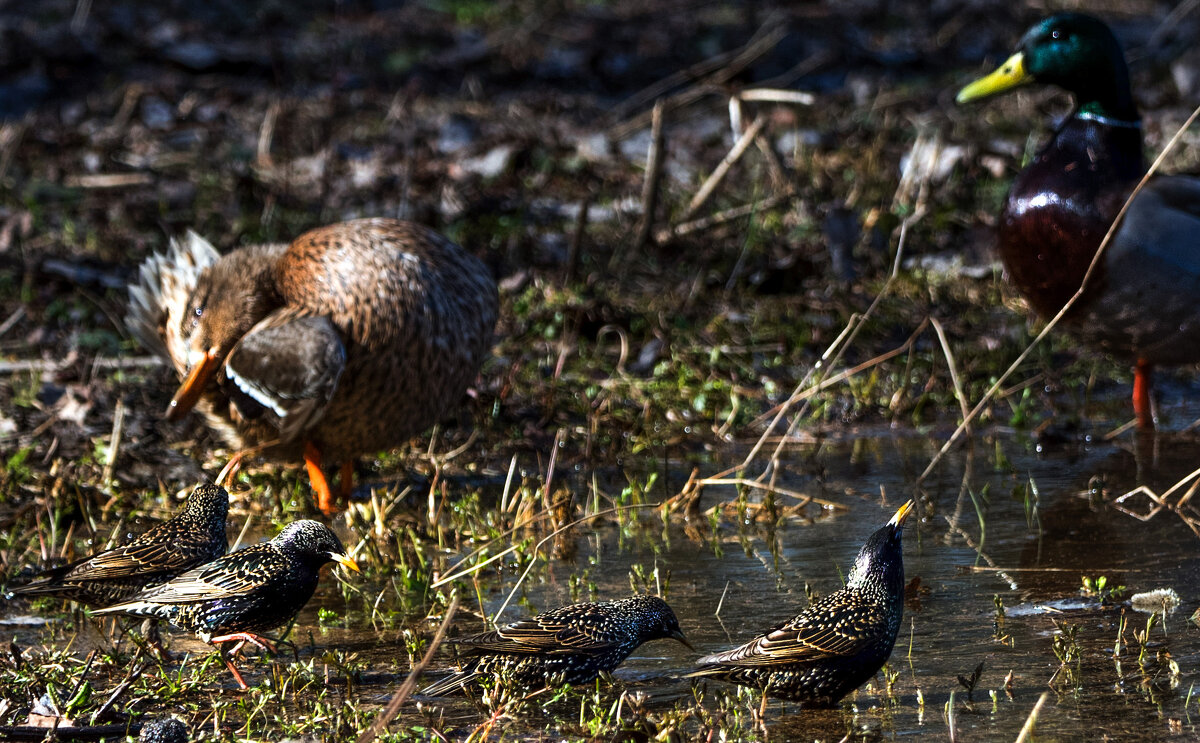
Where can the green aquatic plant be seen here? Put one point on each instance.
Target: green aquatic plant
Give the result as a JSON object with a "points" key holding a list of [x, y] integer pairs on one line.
{"points": [[1099, 588]]}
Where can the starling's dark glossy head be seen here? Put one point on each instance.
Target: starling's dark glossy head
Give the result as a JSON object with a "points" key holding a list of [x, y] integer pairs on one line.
{"points": [[880, 563], [313, 542], [164, 730], [653, 619], [206, 508], [1076, 52]]}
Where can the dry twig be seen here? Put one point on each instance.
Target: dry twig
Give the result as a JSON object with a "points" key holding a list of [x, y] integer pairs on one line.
{"points": [[714, 179], [654, 163], [410, 683]]}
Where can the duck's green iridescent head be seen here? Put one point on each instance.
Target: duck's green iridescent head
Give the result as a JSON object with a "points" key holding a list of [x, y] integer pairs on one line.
{"points": [[1076, 52]]}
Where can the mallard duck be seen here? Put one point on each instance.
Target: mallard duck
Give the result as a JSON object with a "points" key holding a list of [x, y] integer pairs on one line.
{"points": [[238, 597], [838, 642], [195, 535], [350, 340], [568, 645], [1141, 302]]}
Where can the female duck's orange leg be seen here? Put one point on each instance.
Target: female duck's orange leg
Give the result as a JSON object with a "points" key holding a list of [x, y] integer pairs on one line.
{"points": [[316, 476], [346, 481], [1141, 396]]}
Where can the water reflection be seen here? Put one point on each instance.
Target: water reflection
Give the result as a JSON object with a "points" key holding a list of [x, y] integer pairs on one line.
{"points": [[1001, 525]]}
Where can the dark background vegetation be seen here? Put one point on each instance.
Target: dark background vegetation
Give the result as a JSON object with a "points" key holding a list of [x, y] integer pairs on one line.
{"points": [[127, 123]]}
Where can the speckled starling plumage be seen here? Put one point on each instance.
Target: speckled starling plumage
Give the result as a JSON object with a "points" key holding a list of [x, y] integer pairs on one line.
{"points": [[196, 535], [163, 730], [352, 339], [838, 642], [246, 593], [572, 644]]}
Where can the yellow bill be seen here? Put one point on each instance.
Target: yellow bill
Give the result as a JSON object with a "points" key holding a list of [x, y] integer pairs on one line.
{"points": [[1007, 76], [902, 514], [346, 562]]}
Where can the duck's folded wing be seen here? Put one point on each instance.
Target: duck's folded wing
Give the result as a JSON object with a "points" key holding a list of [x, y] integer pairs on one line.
{"points": [[1163, 224], [287, 367]]}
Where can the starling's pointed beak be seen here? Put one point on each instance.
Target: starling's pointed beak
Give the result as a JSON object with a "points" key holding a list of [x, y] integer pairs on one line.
{"points": [[902, 514], [345, 561], [678, 635], [1008, 75], [198, 378]]}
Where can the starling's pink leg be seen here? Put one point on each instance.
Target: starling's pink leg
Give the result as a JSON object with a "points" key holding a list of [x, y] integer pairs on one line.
{"points": [[232, 669], [241, 638], [244, 637]]}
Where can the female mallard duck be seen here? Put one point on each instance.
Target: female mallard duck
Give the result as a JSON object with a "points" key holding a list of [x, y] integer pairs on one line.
{"points": [[1141, 301], [350, 340]]}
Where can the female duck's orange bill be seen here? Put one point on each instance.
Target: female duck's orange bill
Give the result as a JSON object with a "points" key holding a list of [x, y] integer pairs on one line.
{"points": [[189, 392]]}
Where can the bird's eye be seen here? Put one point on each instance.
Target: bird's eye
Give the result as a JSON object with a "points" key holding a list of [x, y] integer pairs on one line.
{"points": [[1056, 34], [191, 321]]}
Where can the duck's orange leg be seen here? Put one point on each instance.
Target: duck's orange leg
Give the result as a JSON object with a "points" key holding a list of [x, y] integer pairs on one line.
{"points": [[316, 476], [346, 481], [1141, 395]]}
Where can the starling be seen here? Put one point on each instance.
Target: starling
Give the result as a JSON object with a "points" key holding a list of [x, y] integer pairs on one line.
{"points": [[354, 338], [838, 642], [163, 730], [238, 597], [195, 536], [572, 644]]}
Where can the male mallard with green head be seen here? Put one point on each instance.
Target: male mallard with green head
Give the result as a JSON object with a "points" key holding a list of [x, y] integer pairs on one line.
{"points": [[1141, 302], [350, 340]]}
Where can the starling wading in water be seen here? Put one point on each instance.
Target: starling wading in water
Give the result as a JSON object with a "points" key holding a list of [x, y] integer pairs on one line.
{"points": [[351, 340], [245, 593], [838, 642], [572, 644], [195, 536]]}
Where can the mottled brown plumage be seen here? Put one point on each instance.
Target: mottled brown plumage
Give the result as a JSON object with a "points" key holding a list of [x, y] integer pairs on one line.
{"points": [[838, 642], [351, 340], [196, 535]]}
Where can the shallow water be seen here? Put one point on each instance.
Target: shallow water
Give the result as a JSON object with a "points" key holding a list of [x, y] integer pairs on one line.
{"points": [[998, 519], [977, 539]]}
